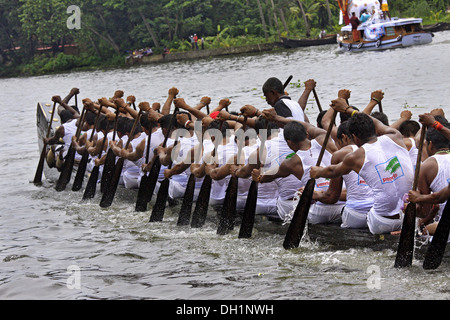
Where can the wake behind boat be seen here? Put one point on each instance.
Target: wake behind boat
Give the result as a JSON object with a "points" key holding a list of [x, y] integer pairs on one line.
{"points": [[379, 31]]}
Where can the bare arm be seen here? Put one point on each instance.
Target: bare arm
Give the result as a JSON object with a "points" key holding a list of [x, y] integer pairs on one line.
{"points": [[166, 107]]}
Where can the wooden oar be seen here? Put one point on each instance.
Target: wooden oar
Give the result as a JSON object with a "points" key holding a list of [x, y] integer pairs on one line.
{"points": [[248, 218], [298, 222], [79, 177], [435, 252], [40, 167], [143, 192], [148, 187], [108, 195], [405, 249], [110, 161], [184, 217], [317, 100], [67, 168], [228, 212], [91, 185], [202, 205], [163, 192]]}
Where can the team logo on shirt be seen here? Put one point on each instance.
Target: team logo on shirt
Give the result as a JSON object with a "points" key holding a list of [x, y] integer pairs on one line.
{"points": [[390, 170], [322, 183], [361, 181]]}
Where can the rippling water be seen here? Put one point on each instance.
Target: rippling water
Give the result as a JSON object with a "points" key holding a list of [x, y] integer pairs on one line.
{"points": [[119, 255]]}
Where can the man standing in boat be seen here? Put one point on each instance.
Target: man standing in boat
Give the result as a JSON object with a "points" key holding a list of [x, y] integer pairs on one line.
{"points": [[382, 160], [354, 21]]}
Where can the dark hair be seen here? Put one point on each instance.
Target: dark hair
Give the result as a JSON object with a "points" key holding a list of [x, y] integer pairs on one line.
{"points": [[295, 132], [362, 126], [441, 119], [343, 129], [90, 118], [381, 116], [261, 123], [344, 116], [409, 128], [164, 121], [103, 123], [273, 84], [216, 125], [122, 125], [438, 139], [65, 116]]}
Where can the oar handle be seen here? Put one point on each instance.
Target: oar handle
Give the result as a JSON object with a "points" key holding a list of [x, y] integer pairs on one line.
{"points": [[327, 137], [419, 157], [133, 129], [149, 139], [51, 120], [81, 124], [287, 82], [317, 100], [96, 124]]}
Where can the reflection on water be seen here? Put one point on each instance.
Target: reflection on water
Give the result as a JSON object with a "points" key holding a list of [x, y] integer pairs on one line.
{"points": [[121, 255]]}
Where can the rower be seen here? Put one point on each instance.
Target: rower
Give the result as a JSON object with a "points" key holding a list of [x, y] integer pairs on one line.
{"points": [[306, 141], [266, 203], [69, 119], [434, 174], [382, 161], [276, 97], [357, 194]]}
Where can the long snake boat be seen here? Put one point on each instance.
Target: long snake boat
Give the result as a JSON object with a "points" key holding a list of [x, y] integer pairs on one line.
{"points": [[334, 236]]}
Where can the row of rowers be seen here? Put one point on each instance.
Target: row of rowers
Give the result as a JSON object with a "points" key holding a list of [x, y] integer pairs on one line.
{"points": [[366, 170]]}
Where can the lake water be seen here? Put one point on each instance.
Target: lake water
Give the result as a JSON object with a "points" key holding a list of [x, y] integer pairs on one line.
{"points": [[48, 238]]}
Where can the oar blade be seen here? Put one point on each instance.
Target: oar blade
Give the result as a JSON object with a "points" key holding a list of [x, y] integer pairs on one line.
{"points": [[160, 203], [40, 168], [201, 207], [248, 218], [91, 186], [141, 201], [228, 212], [147, 187], [298, 222], [110, 192], [108, 170], [184, 216], [66, 172], [79, 177], [435, 252], [405, 251]]}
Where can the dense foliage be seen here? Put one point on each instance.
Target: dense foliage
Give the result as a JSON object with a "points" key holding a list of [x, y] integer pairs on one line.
{"points": [[34, 33]]}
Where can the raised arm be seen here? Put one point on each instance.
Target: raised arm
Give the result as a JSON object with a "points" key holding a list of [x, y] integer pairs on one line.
{"points": [[166, 107]]}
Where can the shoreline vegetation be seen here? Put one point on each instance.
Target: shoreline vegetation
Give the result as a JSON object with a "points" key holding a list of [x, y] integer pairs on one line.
{"points": [[34, 44]]}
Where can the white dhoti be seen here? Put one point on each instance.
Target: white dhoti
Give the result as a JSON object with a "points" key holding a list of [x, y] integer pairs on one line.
{"points": [[131, 178], [354, 219], [285, 207], [320, 213], [381, 225], [177, 190]]}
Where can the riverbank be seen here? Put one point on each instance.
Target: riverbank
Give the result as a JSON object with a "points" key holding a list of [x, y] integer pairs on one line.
{"points": [[206, 53]]}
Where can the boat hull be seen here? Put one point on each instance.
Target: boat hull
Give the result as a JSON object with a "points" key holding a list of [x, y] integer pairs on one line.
{"points": [[43, 118], [298, 43], [381, 44]]}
